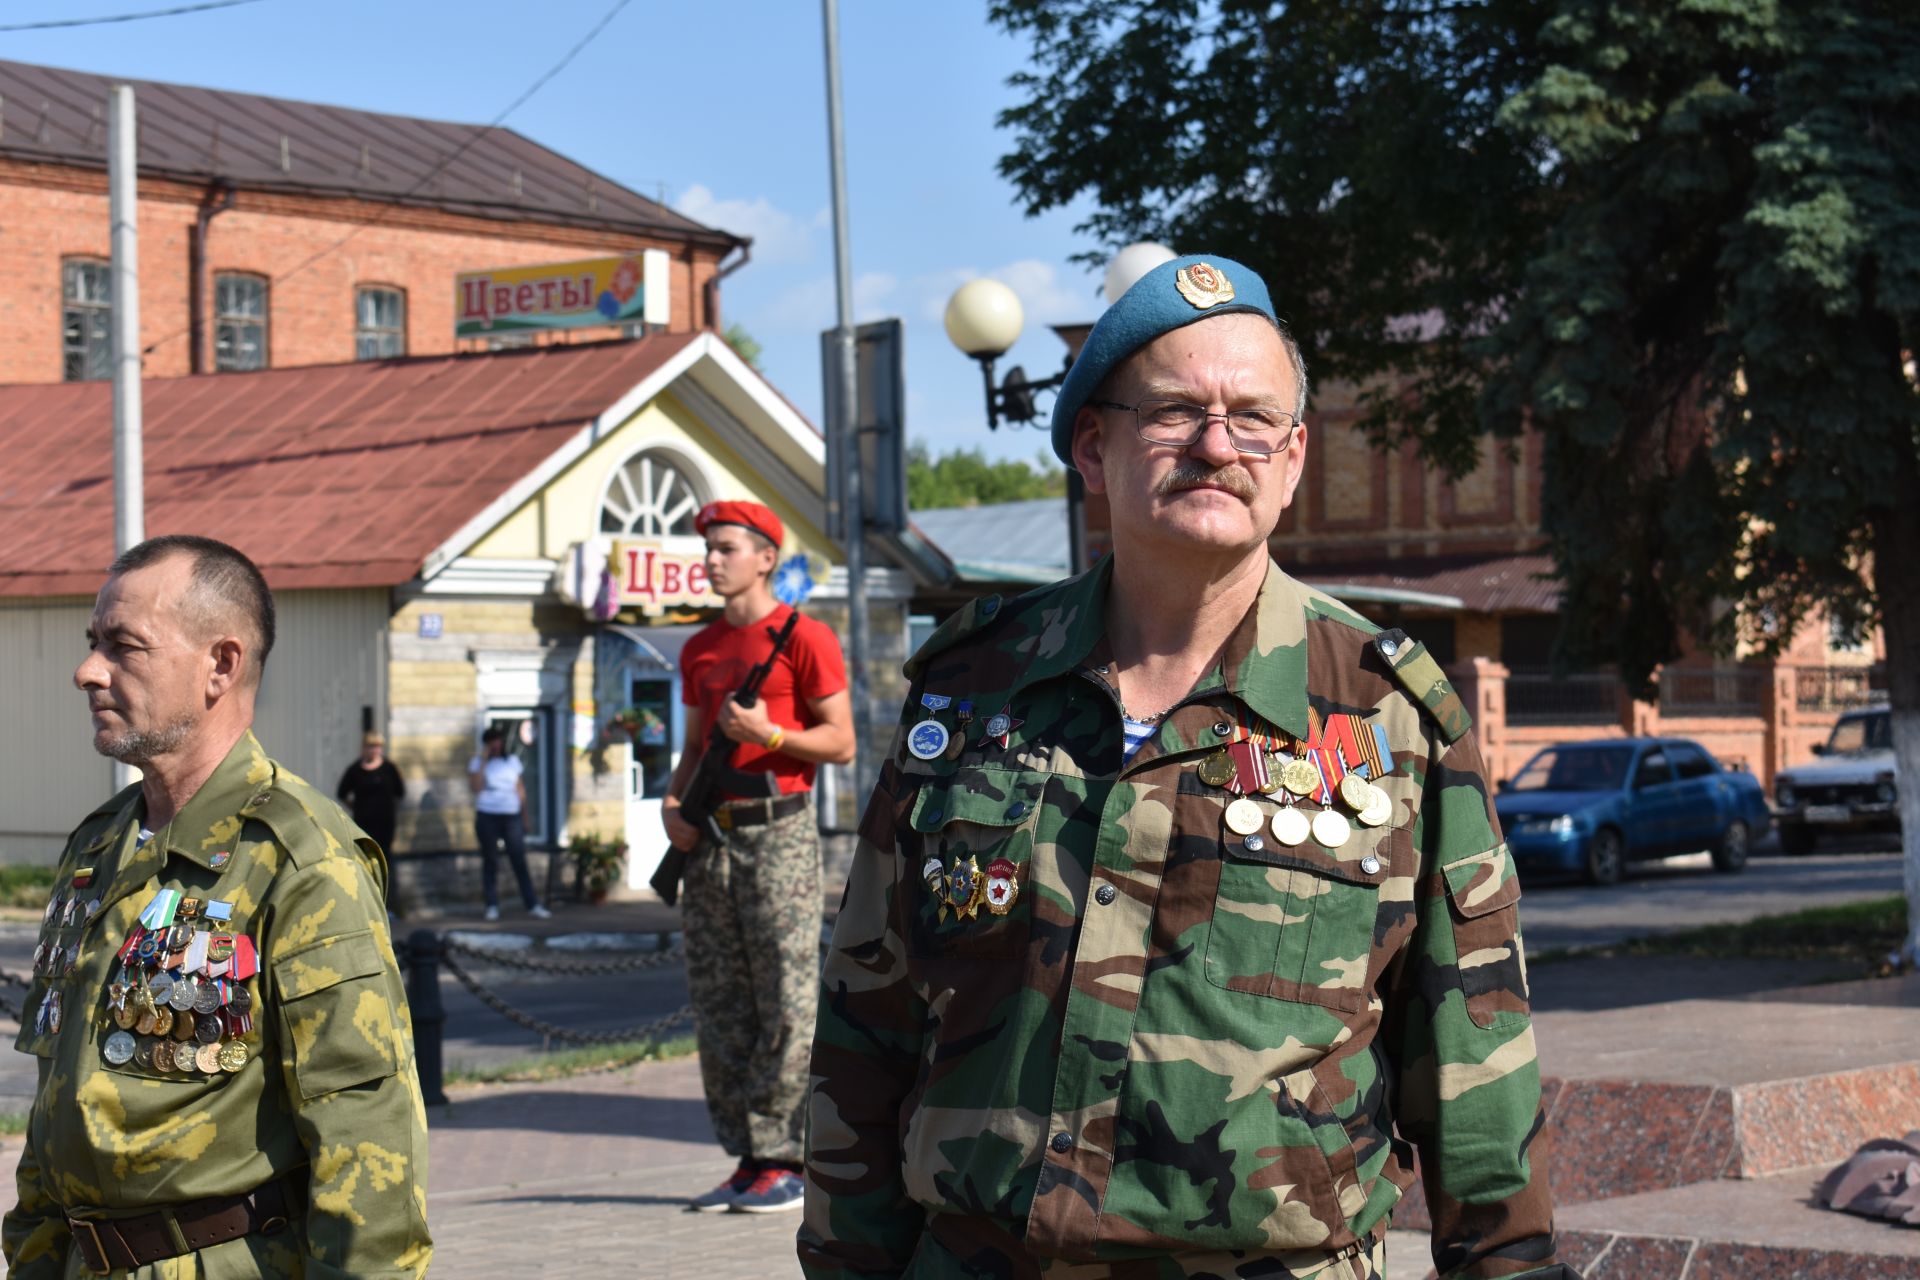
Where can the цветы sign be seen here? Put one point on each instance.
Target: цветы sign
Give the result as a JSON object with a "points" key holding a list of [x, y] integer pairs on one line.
{"points": [[648, 576], [562, 295]]}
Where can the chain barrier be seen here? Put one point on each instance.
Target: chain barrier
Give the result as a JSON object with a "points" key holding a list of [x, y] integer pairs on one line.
{"points": [[564, 967], [566, 1035]]}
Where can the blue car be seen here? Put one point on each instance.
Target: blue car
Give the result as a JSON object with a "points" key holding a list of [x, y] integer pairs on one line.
{"points": [[1591, 808]]}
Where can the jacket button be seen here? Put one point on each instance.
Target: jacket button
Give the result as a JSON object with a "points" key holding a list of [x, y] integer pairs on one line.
{"points": [[1104, 895], [1015, 809], [1255, 844], [1389, 647], [1062, 1143], [934, 816], [1222, 729]]}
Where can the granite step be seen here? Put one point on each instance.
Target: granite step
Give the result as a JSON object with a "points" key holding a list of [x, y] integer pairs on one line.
{"points": [[1734, 1229]]}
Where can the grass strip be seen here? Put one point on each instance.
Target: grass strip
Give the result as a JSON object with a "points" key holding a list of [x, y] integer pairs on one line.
{"points": [[1862, 933], [12, 1123], [25, 885], [574, 1062]]}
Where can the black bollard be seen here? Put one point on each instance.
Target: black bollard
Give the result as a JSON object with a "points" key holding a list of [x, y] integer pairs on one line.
{"points": [[429, 1015]]}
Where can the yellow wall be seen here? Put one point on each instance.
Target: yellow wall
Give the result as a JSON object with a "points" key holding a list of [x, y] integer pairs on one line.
{"points": [[567, 510]]}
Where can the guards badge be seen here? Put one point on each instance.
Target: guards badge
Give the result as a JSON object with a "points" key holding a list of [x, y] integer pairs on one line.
{"points": [[1204, 285]]}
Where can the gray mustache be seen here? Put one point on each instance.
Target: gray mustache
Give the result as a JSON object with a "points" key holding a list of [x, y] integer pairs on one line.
{"points": [[1195, 475]]}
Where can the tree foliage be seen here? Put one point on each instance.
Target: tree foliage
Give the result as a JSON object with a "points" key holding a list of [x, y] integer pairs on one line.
{"points": [[1677, 236], [965, 478]]}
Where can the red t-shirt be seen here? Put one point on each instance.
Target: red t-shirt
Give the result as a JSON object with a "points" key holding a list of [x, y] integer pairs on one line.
{"points": [[715, 662]]}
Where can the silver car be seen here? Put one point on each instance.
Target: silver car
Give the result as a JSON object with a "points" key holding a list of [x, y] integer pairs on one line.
{"points": [[1852, 788]]}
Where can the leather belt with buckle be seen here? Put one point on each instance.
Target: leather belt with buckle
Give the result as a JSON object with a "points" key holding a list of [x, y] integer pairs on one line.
{"points": [[117, 1244], [753, 813]]}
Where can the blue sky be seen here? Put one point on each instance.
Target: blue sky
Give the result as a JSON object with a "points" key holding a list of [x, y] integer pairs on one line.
{"points": [[721, 107]]}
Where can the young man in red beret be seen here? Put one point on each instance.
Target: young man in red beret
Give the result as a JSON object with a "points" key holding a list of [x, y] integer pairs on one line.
{"points": [[752, 904]]}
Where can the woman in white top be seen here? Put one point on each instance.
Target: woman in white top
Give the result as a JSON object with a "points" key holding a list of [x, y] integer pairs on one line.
{"points": [[499, 803]]}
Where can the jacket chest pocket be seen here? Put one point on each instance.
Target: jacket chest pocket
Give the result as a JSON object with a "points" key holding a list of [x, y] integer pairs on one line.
{"points": [[971, 885], [1297, 922]]}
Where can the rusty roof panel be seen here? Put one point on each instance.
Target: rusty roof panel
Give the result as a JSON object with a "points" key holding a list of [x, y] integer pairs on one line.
{"points": [[256, 142], [328, 476]]}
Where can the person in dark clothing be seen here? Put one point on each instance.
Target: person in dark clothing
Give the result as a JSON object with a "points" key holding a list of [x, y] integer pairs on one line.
{"points": [[371, 789]]}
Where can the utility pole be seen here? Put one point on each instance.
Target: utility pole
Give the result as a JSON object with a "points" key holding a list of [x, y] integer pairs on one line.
{"points": [[129, 498], [844, 448]]}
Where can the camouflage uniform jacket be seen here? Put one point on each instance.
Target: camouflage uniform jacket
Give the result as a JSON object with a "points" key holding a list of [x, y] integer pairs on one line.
{"points": [[1175, 1042], [329, 1094]]}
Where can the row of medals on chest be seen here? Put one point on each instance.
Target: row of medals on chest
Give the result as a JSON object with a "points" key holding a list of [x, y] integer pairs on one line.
{"points": [[55, 956], [181, 1003], [1255, 764]]}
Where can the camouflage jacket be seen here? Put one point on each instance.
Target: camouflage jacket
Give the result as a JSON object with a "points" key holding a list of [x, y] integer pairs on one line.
{"points": [[328, 1093], [1174, 1043]]}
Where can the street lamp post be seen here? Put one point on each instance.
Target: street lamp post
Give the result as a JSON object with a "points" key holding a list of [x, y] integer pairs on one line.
{"points": [[984, 319]]}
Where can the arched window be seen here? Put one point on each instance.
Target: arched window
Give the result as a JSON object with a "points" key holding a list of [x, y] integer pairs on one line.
{"points": [[650, 496]]}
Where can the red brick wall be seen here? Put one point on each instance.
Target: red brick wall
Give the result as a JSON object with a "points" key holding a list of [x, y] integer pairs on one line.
{"points": [[48, 213]]}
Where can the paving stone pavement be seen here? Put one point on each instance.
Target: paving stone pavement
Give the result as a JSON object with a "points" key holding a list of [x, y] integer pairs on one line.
{"points": [[588, 1178]]}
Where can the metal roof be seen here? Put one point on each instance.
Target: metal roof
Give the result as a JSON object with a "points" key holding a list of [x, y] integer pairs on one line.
{"points": [[1476, 583], [1002, 541], [276, 144], [345, 475]]}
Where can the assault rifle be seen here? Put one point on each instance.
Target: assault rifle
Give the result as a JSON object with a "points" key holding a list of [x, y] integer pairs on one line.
{"points": [[715, 773]]}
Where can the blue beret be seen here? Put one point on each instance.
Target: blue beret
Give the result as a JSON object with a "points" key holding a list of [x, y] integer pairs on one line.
{"points": [[1171, 296]]}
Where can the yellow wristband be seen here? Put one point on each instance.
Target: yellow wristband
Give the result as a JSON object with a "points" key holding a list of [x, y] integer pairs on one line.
{"points": [[779, 736]]}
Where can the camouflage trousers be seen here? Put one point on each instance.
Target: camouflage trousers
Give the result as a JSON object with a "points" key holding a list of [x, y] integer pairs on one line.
{"points": [[969, 1248], [752, 911]]}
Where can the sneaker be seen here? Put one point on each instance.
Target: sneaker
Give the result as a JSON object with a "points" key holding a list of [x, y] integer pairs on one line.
{"points": [[492, 913], [772, 1191], [539, 912], [721, 1198]]}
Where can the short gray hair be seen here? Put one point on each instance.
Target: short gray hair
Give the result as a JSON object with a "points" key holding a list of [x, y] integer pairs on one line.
{"points": [[225, 586]]}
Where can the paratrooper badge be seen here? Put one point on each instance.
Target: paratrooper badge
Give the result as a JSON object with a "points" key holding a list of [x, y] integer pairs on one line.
{"points": [[1003, 886], [963, 888], [1204, 285], [935, 876]]}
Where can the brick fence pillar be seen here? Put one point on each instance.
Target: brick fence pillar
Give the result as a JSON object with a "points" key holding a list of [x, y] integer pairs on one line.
{"points": [[1482, 684]]}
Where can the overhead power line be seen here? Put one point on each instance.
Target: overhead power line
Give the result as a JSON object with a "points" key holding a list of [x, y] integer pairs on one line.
{"points": [[174, 12]]}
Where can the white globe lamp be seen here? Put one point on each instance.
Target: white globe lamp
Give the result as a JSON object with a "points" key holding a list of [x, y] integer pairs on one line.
{"points": [[984, 318], [1131, 263]]}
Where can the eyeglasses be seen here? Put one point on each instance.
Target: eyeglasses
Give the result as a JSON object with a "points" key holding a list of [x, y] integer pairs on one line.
{"points": [[1171, 422]]}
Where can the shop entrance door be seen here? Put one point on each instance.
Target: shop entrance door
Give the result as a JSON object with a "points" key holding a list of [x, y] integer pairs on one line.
{"points": [[655, 696], [530, 738]]}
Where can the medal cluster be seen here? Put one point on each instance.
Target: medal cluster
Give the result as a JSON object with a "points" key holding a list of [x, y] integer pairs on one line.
{"points": [[1340, 762], [57, 954], [963, 890], [180, 1002]]}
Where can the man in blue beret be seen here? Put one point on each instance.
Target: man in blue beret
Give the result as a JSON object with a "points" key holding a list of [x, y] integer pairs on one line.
{"points": [[1180, 918]]}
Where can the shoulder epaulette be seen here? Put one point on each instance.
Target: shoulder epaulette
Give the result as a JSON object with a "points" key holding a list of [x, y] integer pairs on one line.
{"points": [[299, 825], [967, 619], [1421, 676]]}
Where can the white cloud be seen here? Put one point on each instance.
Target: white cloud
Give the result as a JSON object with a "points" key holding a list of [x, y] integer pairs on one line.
{"points": [[1047, 295], [812, 306], [777, 235]]}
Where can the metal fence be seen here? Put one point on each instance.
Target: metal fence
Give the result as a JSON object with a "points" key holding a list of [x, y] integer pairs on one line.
{"points": [[1839, 688], [1713, 691], [1539, 696]]}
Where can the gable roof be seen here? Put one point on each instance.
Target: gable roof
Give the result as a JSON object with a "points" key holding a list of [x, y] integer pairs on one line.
{"points": [[350, 475], [260, 143]]}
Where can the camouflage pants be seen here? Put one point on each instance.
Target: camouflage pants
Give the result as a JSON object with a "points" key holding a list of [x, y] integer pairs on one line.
{"points": [[752, 910], [969, 1248]]}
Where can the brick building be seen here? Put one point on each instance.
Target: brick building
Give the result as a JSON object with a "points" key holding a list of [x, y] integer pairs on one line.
{"points": [[433, 512], [276, 233]]}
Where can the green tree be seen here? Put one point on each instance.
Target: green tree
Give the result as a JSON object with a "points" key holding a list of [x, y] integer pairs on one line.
{"points": [[743, 344], [1679, 237], [965, 478]]}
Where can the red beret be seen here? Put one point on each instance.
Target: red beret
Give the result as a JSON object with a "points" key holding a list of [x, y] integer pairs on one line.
{"points": [[750, 515]]}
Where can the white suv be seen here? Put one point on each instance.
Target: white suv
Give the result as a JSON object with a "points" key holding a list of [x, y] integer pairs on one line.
{"points": [[1852, 788]]}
